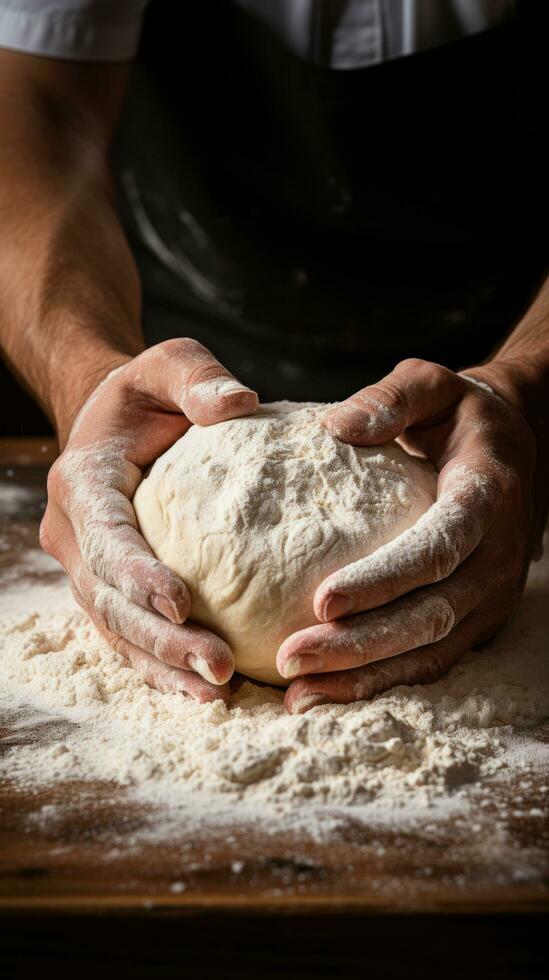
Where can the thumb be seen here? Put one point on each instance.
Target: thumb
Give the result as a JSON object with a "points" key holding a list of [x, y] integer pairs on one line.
{"points": [[186, 377], [414, 391]]}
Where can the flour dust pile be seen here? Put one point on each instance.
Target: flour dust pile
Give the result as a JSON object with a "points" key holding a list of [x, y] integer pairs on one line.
{"points": [[413, 752]]}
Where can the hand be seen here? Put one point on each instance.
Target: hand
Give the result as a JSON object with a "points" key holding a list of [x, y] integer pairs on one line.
{"points": [[406, 613], [138, 604]]}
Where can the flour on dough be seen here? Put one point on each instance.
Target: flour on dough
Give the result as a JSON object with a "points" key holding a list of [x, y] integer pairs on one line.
{"points": [[255, 512]]}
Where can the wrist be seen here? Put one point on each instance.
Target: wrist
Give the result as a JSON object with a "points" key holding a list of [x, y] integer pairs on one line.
{"points": [[522, 384], [75, 381]]}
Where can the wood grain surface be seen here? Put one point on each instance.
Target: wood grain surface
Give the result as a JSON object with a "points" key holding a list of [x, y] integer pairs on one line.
{"points": [[91, 861]]}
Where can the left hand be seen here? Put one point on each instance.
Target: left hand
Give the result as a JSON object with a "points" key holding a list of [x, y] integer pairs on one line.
{"points": [[406, 613]]}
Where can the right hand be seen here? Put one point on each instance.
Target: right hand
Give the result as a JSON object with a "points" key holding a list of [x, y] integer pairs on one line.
{"points": [[138, 604]]}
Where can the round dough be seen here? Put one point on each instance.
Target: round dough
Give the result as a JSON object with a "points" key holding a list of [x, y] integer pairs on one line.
{"points": [[254, 513]]}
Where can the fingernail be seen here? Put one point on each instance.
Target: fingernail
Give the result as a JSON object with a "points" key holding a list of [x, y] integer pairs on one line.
{"points": [[228, 386], [307, 663], [166, 607], [335, 606], [203, 668], [220, 388], [240, 397]]}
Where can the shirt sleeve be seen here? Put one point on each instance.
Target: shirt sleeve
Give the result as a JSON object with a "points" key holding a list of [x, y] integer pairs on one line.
{"points": [[76, 30]]}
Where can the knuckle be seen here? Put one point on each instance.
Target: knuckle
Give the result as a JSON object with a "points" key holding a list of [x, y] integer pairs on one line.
{"points": [[393, 396], [102, 608], [159, 648], [55, 478], [444, 562], [387, 394], [118, 644], [424, 373], [443, 615], [413, 365], [206, 370], [202, 365], [148, 671]]}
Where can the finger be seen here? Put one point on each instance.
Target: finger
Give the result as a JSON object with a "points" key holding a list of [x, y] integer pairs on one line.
{"points": [[422, 666], [170, 680], [348, 643], [427, 552], [415, 391], [188, 377], [423, 617], [161, 676], [105, 527], [185, 646]]}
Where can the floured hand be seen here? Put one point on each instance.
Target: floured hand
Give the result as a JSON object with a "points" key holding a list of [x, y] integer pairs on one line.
{"points": [[409, 611], [136, 602]]}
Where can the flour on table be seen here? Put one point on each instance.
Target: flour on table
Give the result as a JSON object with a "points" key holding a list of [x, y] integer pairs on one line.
{"points": [[413, 751], [254, 513]]}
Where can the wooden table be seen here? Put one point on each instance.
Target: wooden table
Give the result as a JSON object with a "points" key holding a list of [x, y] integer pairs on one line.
{"points": [[240, 898]]}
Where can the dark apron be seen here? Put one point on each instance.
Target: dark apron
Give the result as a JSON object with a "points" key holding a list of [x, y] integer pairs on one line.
{"points": [[312, 227]]}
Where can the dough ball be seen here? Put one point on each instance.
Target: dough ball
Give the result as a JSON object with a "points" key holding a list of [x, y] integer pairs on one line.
{"points": [[254, 513]]}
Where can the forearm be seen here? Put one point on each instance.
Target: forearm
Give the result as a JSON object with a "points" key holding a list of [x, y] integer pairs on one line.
{"points": [[519, 369], [519, 372], [69, 291]]}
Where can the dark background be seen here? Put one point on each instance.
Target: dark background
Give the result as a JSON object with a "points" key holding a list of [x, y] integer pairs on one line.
{"points": [[479, 179], [248, 947]]}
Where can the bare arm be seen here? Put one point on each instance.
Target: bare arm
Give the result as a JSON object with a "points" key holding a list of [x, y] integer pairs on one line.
{"points": [[519, 370], [69, 290], [525, 352], [69, 315]]}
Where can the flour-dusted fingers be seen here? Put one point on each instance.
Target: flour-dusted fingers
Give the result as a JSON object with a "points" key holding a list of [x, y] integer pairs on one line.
{"points": [[348, 643], [97, 483], [485, 454], [427, 552], [185, 646], [193, 381], [161, 676], [179, 381], [414, 391], [170, 680], [422, 617], [422, 666]]}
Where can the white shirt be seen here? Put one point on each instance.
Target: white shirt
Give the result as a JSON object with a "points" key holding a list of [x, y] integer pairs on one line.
{"points": [[343, 34]]}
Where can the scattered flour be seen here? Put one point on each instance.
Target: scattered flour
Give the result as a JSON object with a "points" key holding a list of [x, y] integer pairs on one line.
{"points": [[412, 751]]}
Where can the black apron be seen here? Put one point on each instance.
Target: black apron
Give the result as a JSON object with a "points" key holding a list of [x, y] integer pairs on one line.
{"points": [[311, 226]]}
